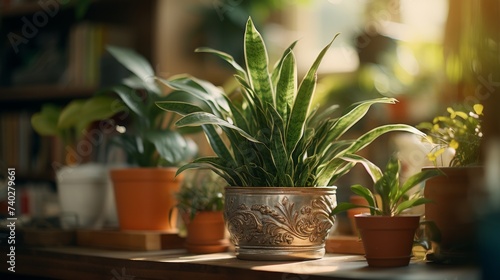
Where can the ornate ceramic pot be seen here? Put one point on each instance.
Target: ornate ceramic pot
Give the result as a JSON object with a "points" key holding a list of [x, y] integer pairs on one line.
{"points": [[281, 223]]}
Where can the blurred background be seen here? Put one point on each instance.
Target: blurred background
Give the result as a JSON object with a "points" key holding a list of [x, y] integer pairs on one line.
{"points": [[429, 54]]}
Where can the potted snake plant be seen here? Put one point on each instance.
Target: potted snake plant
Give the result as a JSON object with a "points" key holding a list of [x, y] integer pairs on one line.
{"points": [[387, 233], [279, 156], [145, 189]]}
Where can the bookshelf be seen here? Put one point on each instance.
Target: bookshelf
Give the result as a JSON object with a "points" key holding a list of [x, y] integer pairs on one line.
{"points": [[49, 54]]}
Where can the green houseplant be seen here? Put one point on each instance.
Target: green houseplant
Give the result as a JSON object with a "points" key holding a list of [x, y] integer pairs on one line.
{"points": [[387, 233], [278, 155], [200, 202], [458, 131], [153, 146], [85, 198]]}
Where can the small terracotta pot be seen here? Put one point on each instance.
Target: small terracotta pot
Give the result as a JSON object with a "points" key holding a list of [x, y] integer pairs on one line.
{"points": [[145, 197], [206, 233], [388, 241]]}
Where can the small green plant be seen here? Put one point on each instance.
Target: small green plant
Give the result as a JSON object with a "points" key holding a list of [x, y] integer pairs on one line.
{"points": [[202, 190], [150, 140], [459, 131], [394, 197], [70, 123], [272, 136]]}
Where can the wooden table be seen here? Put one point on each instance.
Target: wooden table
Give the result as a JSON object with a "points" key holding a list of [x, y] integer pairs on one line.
{"points": [[90, 263]]}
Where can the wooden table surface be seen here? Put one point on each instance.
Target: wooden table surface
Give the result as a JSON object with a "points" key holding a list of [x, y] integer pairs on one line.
{"points": [[90, 263]]}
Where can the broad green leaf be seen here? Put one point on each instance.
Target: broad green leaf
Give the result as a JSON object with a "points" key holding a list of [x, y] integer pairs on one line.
{"points": [[410, 203], [132, 100], [366, 194], [70, 115], [419, 178], [344, 206], [257, 64], [45, 121], [136, 64]]}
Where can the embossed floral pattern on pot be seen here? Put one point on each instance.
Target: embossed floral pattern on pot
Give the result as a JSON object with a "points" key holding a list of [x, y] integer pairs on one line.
{"points": [[279, 223]]}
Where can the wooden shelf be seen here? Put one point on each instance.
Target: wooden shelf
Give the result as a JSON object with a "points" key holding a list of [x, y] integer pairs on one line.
{"points": [[88, 263], [44, 93]]}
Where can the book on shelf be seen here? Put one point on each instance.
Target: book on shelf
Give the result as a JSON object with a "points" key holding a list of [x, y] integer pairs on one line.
{"points": [[86, 48]]}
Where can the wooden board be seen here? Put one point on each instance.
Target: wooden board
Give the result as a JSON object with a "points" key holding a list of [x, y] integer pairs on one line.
{"points": [[129, 240], [344, 244], [48, 237]]}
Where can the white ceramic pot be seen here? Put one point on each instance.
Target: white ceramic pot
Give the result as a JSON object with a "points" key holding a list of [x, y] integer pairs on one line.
{"points": [[85, 196]]}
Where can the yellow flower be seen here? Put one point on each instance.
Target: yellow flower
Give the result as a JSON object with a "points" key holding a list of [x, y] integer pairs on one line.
{"points": [[478, 108], [453, 144]]}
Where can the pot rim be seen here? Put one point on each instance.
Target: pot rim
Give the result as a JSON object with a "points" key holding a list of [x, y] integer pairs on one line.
{"points": [[282, 188], [367, 215]]}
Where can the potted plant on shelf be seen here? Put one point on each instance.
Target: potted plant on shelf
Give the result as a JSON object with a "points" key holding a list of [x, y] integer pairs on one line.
{"points": [[459, 132], [278, 156], [200, 202], [387, 233], [145, 190], [85, 197]]}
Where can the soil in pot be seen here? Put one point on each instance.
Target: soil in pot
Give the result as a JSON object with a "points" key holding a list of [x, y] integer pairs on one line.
{"points": [[388, 241]]}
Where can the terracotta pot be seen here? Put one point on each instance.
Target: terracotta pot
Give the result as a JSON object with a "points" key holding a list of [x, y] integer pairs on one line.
{"points": [[145, 196], [206, 233], [452, 210], [388, 241], [279, 223]]}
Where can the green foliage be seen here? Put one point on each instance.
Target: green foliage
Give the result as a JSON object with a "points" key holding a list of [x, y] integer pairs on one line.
{"points": [[272, 137], [394, 197], [151, 139], [69, 123], [459, 131], [202, 190]]}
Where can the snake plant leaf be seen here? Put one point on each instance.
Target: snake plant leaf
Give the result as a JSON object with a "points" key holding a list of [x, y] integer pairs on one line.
{"points": [[202, 118], [373, 134], [302, 101], [373, 170], [349, 119], [277, 68], [136, 64], [227, 57], [45, 121], [286, 86], [181, 108], [257, 64]]}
